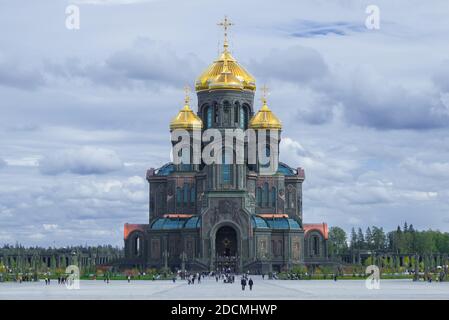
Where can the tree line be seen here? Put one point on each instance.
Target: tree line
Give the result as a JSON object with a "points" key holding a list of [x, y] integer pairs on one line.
{"points": [[402, 240]]}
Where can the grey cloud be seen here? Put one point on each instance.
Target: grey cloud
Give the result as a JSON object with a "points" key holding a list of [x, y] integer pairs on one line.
{"points": [[371, 100], [75, 207], [84, 161], [366, 97], [441, 76], [295, 64], [2, 163], [14, 74], [309, 28], [146, 64]]}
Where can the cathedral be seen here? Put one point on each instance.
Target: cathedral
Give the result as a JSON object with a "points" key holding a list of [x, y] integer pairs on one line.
{"points": [[209, 216]]}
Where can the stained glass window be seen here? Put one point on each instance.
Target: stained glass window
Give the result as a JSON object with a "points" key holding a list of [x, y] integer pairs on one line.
{"points": [[209, 117]]}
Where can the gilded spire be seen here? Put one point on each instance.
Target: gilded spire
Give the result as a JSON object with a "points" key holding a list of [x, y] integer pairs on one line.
{"points": [[186, 118], [186, 95], [225, 24], [264, 94]]}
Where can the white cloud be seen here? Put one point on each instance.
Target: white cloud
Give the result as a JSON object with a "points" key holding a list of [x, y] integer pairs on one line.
{"points": [[50, 227], [430, 169], [85, 160]]}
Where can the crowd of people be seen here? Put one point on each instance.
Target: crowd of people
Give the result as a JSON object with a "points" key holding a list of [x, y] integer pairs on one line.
{"points": [[224, 275]]}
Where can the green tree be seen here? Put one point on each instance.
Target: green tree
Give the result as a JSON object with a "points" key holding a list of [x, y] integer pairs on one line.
{"points": [[379, 239], [353, 242], [360, 239], [369, 238], [337, 241]]}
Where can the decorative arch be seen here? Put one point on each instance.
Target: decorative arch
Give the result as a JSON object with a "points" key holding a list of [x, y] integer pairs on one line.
{"points": [[226, 223], [291, 196], [315, 243], [137, 243]]}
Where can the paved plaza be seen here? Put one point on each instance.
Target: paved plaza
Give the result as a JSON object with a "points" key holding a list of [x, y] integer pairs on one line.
{"points": [[210, 289]]}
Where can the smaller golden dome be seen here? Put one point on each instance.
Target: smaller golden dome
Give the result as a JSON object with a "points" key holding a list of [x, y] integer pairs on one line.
{"points": [[186, 119], [265, 119]]}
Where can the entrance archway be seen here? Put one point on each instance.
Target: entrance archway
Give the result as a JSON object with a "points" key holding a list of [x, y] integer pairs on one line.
{"points": [[226, 249]]}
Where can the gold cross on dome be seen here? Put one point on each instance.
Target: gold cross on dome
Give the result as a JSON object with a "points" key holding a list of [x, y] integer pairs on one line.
{"points": [[187, 94], [264, 94], [225, 24]]}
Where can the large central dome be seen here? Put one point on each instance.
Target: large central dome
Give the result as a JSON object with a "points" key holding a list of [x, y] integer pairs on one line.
{"points": [[225, 73]]}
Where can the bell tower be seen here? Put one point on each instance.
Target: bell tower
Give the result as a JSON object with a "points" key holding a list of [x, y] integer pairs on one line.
{"points": [[225, 92]]}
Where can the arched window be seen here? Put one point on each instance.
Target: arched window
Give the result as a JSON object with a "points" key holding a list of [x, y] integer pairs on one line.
{"points": [[227, 161], [315, 245], [137, 246], [186, 193], [178, 196], [266, 197], [259, 196], [292, 199], [244, 117], [236, 112], [192, 195], [226, 113], [208, 117], [216, 112], [273, 197]]}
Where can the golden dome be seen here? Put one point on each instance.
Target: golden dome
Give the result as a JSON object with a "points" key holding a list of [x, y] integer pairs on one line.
{"points": [[225, 73], [186, 119], [265, 119]]}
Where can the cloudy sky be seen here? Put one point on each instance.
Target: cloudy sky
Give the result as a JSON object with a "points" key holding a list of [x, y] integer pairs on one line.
{"points": [[84, 113]]}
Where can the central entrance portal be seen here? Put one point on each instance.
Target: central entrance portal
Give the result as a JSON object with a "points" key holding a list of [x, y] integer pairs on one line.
{"points": [[226, 252]]}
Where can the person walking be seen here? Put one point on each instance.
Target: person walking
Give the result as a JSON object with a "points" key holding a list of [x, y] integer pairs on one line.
{"points": [[129, 279], [243, 283], [250, 283]]}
